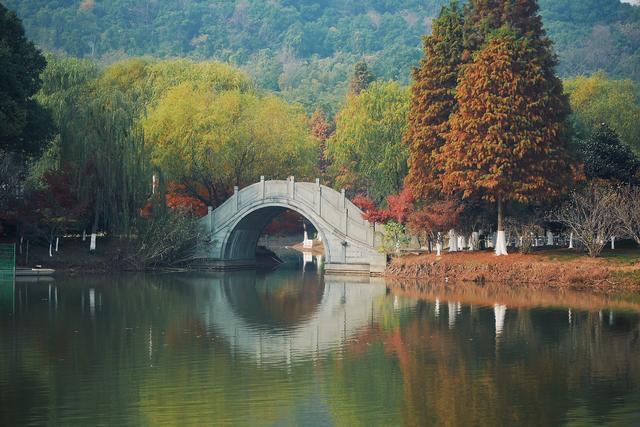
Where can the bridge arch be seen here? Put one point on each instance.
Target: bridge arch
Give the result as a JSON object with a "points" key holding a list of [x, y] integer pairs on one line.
{"points": [[245, 232], [351, 243]]}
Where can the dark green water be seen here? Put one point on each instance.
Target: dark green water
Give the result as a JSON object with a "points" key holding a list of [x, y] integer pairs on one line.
{"points": [[292, 348]]}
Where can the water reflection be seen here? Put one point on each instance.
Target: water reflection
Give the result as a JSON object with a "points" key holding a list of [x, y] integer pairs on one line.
{"points": [[292, 348]]}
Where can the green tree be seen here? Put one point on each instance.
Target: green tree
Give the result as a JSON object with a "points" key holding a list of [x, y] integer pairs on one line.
{"points": [[210, 141], [597, 99], [366, 150], [360, 79], [433, 101], [606, 158], [24, 125], [100, 141], [508, 138]]}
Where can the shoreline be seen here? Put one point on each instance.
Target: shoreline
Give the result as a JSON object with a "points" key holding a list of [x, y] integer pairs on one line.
{"points": [[536, 271]]}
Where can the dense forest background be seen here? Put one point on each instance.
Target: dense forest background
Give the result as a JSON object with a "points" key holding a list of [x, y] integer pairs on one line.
{"points": [[306, 49]]}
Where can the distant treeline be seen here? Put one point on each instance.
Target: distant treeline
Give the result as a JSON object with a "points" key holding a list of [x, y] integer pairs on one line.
{"points": [[306, 49]]}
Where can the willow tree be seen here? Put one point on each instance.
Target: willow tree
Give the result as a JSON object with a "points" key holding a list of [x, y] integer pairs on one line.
{"points": [[99, 142], [508, 138], [433, 101], [366, 150], [211, 141]]}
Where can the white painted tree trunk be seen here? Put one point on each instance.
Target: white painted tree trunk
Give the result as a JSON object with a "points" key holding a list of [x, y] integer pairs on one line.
{"points": [[571, 241], [501, 238], [501, 243], [57, 243], [475, 240], [50, 248], [453, 241], [549, 238], [613, 242], [438, 248], [92, 245], [461, 243]]}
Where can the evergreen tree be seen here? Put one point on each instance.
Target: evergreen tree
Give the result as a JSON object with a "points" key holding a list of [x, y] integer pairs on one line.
{"points": [[361, 78], [606, 158], [508, 137], [433, 100], [24, 125]]}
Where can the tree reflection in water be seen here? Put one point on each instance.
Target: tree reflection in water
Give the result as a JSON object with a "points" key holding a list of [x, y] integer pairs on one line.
{"points": [[294, 348]]}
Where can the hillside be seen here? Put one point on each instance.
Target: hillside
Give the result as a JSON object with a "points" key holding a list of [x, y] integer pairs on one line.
{"points": [[305, 49]]}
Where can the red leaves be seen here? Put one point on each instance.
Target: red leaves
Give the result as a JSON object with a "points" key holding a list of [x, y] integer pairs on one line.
{"points": [[436, 216], [370, 212], [185, 202], [399, 206]]}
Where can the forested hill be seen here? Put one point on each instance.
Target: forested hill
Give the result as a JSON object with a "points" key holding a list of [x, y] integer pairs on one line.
{"points": [[306, 48]]}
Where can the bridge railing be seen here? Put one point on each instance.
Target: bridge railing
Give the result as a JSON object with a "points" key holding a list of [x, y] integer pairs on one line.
{"points": [[328, 204]]}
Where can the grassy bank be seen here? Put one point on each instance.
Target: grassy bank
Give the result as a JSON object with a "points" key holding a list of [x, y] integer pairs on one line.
{"points": [[615, 270], [73, 256]]}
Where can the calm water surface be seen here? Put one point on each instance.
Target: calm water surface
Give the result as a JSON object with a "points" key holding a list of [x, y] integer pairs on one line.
{"points": [[294, 348]]}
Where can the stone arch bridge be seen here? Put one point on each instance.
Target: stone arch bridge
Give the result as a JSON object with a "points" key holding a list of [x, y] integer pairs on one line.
{"points": [[350, 242]]}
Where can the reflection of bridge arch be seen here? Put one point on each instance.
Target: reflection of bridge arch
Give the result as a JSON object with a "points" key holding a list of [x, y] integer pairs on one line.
{"points": [[344, 309], [350, 241]]}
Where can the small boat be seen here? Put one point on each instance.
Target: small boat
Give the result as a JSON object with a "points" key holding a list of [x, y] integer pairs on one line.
{"points": [[21, 272]]}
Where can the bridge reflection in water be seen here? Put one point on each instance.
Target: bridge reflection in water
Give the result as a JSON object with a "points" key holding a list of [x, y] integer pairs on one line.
{"points": [[282, 316]]}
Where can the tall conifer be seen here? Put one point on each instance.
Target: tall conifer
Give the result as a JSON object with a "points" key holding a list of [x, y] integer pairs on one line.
{"points": [[507, 139], [433, 100]]}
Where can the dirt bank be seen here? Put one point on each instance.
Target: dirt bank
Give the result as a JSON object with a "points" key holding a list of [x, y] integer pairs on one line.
{"points": [[559, 268]]}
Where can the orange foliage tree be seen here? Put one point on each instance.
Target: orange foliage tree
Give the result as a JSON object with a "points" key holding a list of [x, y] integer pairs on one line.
{"points": [[433, 101], [508, 139], [322, 129]]}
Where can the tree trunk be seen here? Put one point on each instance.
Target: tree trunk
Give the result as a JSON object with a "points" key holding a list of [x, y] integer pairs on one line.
{"points": [[94, 233], [501, 243]]}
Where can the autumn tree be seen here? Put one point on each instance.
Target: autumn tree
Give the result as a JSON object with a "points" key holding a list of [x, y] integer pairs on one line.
{"points": [[435, 217], [508, 138], [360, 79], [483, 17], [433, 100], [322, 130]]}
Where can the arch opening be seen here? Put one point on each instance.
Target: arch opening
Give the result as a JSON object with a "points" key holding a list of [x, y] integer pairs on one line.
{"points": [[275, 226]]}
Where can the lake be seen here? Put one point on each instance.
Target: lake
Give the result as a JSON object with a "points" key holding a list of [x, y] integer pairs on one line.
{"points": [[292, 347]]}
